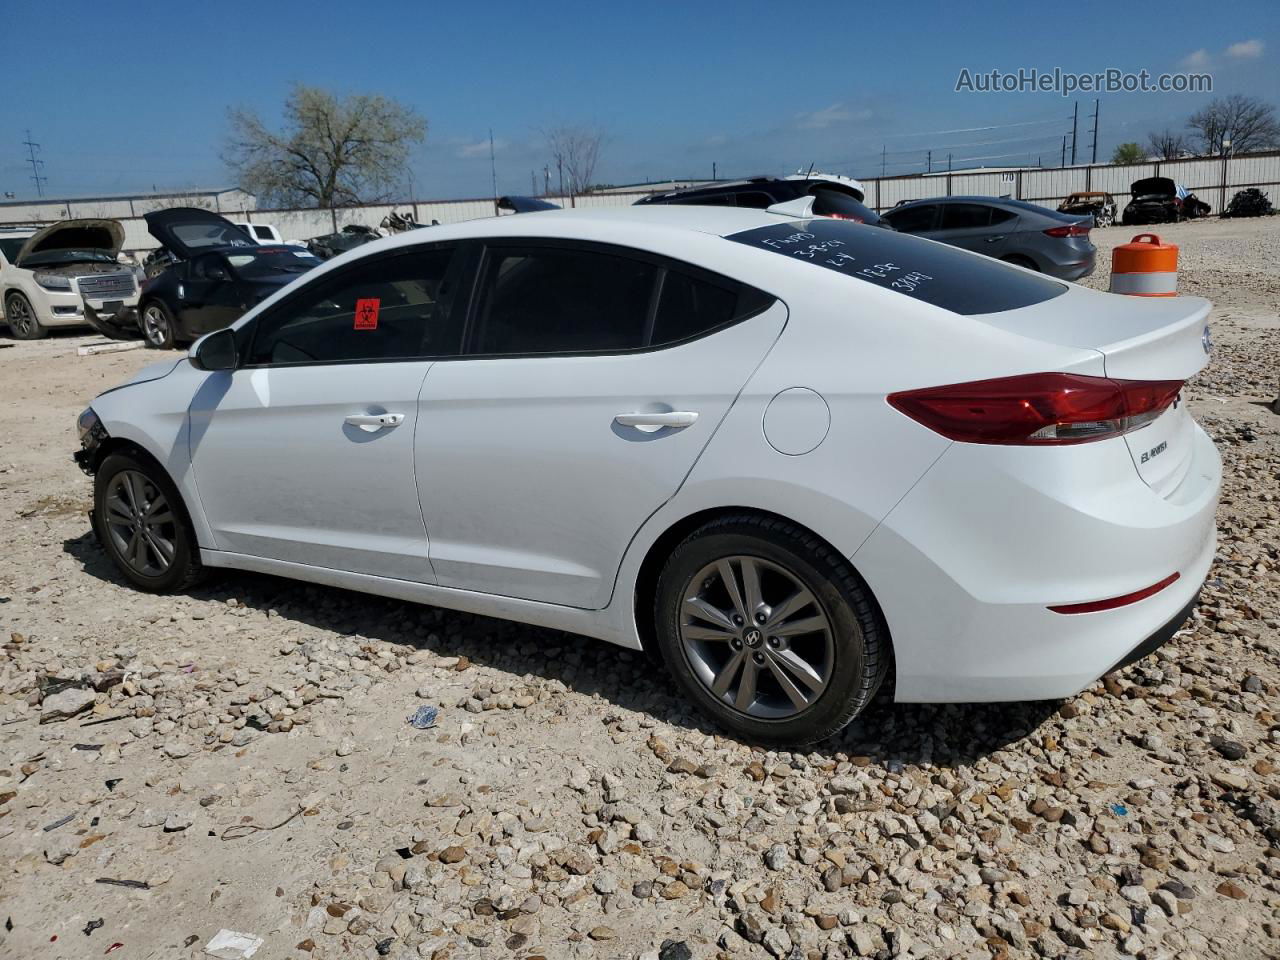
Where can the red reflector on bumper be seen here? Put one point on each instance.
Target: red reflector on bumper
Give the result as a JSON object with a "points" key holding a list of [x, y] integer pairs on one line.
{"points": [[1093, 606]]}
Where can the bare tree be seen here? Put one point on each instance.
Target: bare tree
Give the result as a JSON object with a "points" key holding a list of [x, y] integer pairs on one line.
{"points": [[1246, 123], [1128, 153], [1167, 145], [575, 152], [329, 153]]}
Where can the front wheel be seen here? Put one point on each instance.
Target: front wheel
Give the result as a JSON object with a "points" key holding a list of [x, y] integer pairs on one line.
{"points": [[768, 630], [21, 318], [143, 526], [157, 325]]}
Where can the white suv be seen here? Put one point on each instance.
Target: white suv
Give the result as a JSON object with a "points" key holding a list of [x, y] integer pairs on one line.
{"points": [[64, 275]]}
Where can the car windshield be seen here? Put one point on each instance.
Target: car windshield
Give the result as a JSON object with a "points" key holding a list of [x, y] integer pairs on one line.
{"points": [[49, 258], [9, 246], [269, 262], [947, 277]]}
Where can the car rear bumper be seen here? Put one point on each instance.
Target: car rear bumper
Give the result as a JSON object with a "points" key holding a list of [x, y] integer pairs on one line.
{"points": [[968, 564]]}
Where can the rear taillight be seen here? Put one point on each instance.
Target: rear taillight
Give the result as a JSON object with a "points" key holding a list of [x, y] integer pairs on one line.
{"points": [[1074, 230], [1039, 409]]}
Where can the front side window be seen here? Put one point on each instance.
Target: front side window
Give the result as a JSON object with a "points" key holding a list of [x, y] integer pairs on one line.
{"points": [[549, 300], [386, 308], [9, 247]]}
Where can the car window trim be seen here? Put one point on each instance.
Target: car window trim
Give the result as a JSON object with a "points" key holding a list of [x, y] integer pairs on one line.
{"points": [[663, 263], [335, 277]]}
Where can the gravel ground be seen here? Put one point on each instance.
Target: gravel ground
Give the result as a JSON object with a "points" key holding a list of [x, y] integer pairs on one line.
{"points": [[240, 755]]}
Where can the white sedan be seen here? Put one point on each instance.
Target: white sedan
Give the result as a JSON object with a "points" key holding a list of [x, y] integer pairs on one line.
{"points": [[782, 453]]}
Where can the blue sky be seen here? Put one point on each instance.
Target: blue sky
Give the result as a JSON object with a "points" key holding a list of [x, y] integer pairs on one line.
{"points": [[138, 94]]}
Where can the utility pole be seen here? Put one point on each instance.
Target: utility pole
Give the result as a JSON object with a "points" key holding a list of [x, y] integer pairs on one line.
{"points": [[929, 161], [882, 160], [1096, 104], [35, 164], [493, 167], [1075, 120], [1064, 150], [713, 170], [560, 170], [546, 181], [948, 163]]}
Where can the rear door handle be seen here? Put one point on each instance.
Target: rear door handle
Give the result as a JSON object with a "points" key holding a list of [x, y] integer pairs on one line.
{"points": [[995, 239], [656, 421], [372, 422]]}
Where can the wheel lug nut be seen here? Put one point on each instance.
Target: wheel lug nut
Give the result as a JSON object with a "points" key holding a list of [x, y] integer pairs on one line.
{"points": [[737, 644], [738, 620], [758, 657], [761, 618], [773, 641]]}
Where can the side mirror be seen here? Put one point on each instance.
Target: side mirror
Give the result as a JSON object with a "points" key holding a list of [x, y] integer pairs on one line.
{"points": [[216, 351]]}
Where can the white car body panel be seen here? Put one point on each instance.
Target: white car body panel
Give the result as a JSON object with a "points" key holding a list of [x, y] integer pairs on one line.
{"points": [[535, 510], [495, 436], [342, 496]]}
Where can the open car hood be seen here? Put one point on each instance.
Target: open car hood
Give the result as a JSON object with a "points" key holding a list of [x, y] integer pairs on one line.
{"points": [[1154, 186], [187, 231], [104, 235]]}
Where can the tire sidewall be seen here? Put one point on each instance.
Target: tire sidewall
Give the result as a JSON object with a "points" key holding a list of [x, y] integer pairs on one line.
{"points": [[184, 559], [36, 330], [846, 679], [168, 342]]}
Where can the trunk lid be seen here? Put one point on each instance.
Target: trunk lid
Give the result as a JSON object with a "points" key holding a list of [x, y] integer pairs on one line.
{"points": [[1153, 187], [187, 231], [1140, 338], [106, 236]]}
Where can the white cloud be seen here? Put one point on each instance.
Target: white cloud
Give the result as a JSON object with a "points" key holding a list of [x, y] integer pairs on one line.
{"points": [[1197, 58], [1245, 50], [469, 151], [836, 113]]}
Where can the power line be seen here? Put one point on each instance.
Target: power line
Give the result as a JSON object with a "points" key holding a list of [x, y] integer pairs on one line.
{"points": [[36, 164]]}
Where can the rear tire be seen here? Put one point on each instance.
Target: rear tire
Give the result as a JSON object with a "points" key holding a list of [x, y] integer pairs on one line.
{"points": [[21, 317], [157, 325], [797, 685], [143, 525]]}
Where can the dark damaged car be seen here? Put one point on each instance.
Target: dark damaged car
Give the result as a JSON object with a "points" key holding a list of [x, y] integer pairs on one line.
{"points": [[217, 273], [1161, 200]]}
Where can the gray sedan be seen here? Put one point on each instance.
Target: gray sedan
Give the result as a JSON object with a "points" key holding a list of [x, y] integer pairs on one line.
{"points": [[1011, 230]]}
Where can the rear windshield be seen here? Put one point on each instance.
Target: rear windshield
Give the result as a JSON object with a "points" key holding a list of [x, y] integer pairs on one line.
{"points": [[935, 273], [268, 261]]}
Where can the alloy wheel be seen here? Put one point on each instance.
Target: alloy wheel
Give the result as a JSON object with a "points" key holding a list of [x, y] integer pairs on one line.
{"points": [[757, 637], [18, 313], [155, 326], [140, 523]]}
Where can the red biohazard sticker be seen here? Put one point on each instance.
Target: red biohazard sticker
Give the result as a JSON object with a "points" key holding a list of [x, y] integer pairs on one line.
{"points": [[367, 314]]}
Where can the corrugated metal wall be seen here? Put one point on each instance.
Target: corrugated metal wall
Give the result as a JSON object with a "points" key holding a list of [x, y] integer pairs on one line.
{"points": [[1213, 180]]}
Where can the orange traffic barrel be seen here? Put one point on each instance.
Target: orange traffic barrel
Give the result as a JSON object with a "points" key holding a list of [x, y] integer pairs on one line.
{"points": [[1145, 267]]}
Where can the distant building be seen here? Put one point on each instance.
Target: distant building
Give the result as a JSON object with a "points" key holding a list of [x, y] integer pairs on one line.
{"points": [[118, 205]]}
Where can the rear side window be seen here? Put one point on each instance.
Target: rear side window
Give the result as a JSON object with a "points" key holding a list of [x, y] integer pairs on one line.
{"points": [[934, 273], [912, 219], [550, 300], [388, 308], [264, 233], [1001, 215], [965, 216], [688, 307]]}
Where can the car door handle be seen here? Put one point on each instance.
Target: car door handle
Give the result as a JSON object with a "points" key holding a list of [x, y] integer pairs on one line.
{"points": [[655, 421], [371, 422], [995, 239]]}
